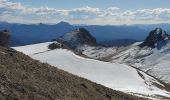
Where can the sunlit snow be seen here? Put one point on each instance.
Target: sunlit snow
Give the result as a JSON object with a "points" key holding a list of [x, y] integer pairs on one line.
{"points": [[116, 76]]}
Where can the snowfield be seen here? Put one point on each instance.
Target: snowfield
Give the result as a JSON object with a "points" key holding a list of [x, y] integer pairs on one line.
{"points": [[34, 48], [97, 52], [113, 75], [153, 61]]}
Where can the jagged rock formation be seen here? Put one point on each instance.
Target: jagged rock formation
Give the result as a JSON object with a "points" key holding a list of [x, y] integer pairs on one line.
{"points": [[77, 37], [157, 38], [4, 38], [55, 45], [22, 78]]}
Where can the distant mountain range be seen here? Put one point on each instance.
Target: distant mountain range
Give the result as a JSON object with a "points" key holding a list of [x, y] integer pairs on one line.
{"points": [[23, 34]]}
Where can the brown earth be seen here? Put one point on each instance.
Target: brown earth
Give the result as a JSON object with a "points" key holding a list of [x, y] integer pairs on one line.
{"points": [[22, 78]]}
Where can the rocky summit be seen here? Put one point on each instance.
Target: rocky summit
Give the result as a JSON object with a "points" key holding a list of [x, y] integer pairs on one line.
{"points": [[77, 37], [157, 38]]}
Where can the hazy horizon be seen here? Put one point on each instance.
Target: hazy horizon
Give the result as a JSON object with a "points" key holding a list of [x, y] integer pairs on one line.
{"points": [[81, 24]]}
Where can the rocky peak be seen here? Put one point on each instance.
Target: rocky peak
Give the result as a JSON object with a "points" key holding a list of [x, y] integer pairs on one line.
{"points": [[77, 37], [85, 36], [156, 38], [62, 23], [4, 38]]}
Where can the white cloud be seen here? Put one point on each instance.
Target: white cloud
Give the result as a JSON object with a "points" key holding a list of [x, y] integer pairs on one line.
{"points": [[113, 8], [10, 5], [16, 12], [86, 9]]}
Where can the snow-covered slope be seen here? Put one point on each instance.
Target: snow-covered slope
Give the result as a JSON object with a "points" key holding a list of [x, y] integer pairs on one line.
{"points": [[97, 52], [153, 61], [34, 48], [116, 76], [151, 56]]}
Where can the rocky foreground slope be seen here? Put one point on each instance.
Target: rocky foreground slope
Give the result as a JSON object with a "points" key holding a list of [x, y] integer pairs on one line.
{"points": [[22, 78]]}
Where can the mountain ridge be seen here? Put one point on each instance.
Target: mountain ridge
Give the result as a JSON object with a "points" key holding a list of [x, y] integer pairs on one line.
{"points": [[24, 34]]}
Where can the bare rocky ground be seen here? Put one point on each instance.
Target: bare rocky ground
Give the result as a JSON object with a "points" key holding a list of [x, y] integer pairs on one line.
{"points": [[22, 78]]}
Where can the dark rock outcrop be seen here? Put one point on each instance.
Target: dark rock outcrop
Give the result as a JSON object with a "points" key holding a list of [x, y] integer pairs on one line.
{"points": [[157, 38], [4, 38], [55, 45], [77, 37]]}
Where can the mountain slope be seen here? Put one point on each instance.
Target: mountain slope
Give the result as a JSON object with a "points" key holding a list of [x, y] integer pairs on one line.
{"points": [[151, 56], [153, 61], [22, 78], [116, 76]]}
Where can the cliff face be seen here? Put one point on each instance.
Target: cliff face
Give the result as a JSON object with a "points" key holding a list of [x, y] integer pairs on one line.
{"points": [[4, 38], [22, 78], [156, 39]]}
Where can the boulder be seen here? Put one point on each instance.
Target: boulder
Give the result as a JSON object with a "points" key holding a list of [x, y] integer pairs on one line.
{"points": [[4, 38], [55, 46]]}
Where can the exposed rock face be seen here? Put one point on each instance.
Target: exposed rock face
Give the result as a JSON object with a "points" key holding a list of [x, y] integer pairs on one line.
{"points": [[4, 38], [157, 38], [77, 37], [55, 46]]}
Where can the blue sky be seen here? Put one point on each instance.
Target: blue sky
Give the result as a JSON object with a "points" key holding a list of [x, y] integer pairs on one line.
{"points": [[86, 11], [124, 4]]}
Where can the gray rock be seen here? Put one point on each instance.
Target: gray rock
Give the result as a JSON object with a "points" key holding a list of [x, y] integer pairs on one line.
{"points": [[77, 37], [4, 38], [156, 38]]}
